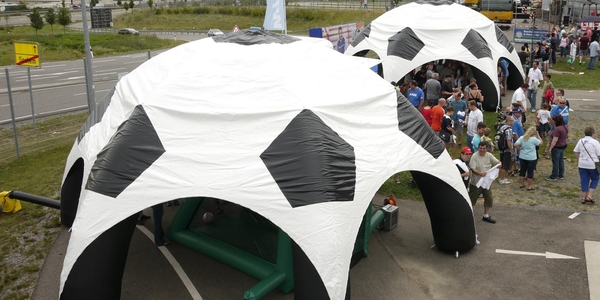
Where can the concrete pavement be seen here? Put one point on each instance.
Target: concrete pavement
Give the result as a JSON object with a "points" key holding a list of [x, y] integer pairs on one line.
{"points": [[401, 263]]}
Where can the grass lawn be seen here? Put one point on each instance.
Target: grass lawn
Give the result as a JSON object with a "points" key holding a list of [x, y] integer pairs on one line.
{"points": [[579, 78]]}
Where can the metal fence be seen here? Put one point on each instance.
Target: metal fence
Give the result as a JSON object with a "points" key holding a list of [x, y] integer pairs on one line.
{"points": [[41, 106]]}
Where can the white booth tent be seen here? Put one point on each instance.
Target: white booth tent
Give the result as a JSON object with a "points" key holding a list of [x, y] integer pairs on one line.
{"points": [[266, 121], [419, 32]]}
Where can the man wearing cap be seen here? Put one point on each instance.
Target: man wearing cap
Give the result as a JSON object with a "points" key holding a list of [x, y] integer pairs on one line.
{"points": [[480, 163], [462, 163]]}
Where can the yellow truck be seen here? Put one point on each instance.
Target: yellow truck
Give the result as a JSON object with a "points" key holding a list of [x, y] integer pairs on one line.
{"points": [[499, 11]]}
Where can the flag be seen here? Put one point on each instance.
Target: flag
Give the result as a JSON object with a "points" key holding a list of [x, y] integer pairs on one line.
{"points": [[275, 15]]}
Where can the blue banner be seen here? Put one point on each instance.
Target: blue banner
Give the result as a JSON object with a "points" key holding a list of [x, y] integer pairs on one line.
{"points": [[527, 35], [275, 18]]}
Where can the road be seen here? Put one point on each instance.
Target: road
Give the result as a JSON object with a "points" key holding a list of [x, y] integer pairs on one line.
{"points": [[59, 86]]}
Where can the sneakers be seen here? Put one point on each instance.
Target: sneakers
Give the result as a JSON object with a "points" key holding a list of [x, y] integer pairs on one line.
{"points": [[533, 110], [489, 220], [550, 178], [503, 181], [560, 178]]}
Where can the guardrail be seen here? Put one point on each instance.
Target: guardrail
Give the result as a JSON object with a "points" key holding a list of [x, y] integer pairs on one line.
{"points": [[144, 32]]}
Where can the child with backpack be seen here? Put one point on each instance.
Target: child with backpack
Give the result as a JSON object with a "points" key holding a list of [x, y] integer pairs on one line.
{"points": [[548, 88]]}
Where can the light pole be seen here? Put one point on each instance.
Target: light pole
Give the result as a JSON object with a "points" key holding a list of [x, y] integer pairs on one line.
{"points": [[89, 79]]}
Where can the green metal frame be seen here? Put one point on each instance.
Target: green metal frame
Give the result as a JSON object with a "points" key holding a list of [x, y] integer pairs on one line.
{"points": [[271, 276]]}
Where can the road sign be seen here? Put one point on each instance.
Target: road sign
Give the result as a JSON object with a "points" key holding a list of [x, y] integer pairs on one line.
{"points": [[531, 16], [27, 54], [235, 28]]}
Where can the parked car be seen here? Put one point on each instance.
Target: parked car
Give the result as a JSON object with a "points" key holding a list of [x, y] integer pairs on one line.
{"points": [[215, 32], [75, 6], [129, 31]]}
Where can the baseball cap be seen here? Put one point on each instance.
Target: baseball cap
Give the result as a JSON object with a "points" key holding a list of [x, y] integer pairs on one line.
{"points": [[466, 150], [516, 110]]}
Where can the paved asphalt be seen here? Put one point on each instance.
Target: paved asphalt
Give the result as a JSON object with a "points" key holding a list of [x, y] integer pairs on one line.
{"points": [[401, 263]]}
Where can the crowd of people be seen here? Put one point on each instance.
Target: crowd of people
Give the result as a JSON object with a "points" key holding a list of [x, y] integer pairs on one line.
{"points": [[570, 44], [454, 103]]}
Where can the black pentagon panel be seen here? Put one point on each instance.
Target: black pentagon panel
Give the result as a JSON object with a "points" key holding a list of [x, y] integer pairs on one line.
{"points": [[132, 149], [254, 37], [477, 45], [435, 2], [96, 115], [311, 163], [503, 40], [363, 35], [405, 44], [412, 124]]}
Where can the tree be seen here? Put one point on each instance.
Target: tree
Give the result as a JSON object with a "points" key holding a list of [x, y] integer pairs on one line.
{"points": [[64, 16], [126, 6], [50, 18], [36, 21], [93, 3], [119, 3], [150, 3], [131, 5]]}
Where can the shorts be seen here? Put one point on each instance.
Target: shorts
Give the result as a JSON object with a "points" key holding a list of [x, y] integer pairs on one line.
{"points": [[543, 128], [585, 52], [458, 127], [504, 80], [445, 136], [505, 159]]}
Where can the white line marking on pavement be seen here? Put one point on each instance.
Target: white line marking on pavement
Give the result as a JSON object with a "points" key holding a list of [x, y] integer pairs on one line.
{"points": [[572, 216], [176, 266], [592, 260], [547, 254], [72, 78], [103, 60], [135, 62], [99, 91]]}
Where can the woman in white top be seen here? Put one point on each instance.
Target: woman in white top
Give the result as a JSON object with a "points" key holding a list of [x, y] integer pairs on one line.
{"points": [[587, 152], [563, 45], [573, 50]]}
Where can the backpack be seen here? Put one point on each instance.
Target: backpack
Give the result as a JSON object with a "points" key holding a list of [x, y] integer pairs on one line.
{"points": [[549, 95], [500, 139]]}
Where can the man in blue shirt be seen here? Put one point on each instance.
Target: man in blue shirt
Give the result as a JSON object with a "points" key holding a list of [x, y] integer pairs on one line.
{"points": [[503, 64], [415, 95], [562, 108]]}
